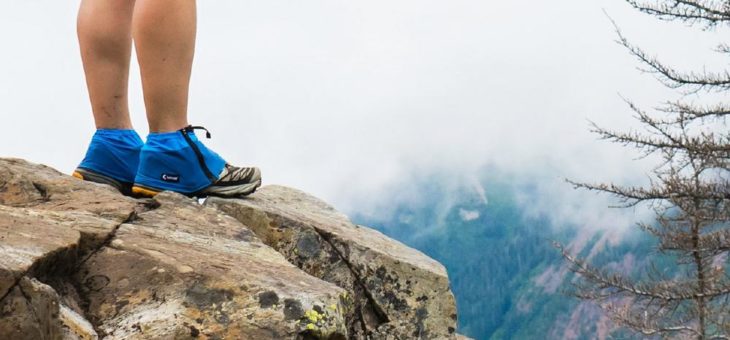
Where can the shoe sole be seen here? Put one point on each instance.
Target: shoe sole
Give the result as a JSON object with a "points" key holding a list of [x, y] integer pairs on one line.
{"points": [[91, 176], [233, 190], [141, 191], [219, 191]]}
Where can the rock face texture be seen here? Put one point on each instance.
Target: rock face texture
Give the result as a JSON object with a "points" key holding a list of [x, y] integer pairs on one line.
{"points": [[399, 291], [78, 260]]}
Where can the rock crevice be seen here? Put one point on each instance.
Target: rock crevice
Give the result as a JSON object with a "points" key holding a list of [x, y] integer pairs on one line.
{"points": [[93, 247]]}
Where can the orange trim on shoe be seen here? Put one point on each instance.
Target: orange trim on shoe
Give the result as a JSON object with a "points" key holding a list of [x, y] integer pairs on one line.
{"points": [[145, 192], [78, 175]]}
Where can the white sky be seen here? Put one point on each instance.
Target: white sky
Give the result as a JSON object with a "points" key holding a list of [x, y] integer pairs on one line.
{"points": [[345, 99]]}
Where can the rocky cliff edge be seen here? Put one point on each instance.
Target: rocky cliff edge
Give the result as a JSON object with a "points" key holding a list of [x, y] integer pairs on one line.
{"points": [[78, 260]]}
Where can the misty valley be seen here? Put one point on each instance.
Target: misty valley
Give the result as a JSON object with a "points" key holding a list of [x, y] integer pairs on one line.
{"points": [[509, 280]]}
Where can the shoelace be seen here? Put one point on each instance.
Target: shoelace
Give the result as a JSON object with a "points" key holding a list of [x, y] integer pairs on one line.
{"points": [[234, 174]]}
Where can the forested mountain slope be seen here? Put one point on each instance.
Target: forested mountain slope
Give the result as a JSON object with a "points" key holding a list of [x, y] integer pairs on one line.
{"points": [[508, 278]]}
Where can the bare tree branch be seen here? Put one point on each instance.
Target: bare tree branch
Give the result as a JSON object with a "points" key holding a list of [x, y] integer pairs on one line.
{"points": [[709, 13], [671, 78]]}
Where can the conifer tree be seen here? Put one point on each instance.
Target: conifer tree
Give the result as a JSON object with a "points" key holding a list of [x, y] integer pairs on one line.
{"points": [[689, 192]]}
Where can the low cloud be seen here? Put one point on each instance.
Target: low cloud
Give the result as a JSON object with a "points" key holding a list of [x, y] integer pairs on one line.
{"points": [[468, 215], [352, 100]]}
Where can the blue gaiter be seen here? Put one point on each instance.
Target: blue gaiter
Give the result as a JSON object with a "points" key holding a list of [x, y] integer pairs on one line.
{"points": [[114, 153], [177, 161]]}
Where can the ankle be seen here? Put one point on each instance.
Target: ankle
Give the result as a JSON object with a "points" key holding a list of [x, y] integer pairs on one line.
{"points": [[167, 126], [123, 125]]}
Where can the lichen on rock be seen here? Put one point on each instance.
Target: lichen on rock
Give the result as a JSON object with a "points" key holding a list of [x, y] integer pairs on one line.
{"points": [[396, 289]]}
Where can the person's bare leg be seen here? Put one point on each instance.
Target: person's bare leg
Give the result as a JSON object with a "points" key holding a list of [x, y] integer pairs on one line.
{"points": [[104, 30], [164, 37]]}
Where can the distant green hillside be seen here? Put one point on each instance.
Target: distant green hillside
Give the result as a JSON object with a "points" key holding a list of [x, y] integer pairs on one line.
{"points": [[507, 276]]}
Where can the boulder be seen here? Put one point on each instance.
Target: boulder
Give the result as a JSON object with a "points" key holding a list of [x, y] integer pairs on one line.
{"points": [[49, 221], [25, 184], [398, 291], [78, 260], [182, 270]]}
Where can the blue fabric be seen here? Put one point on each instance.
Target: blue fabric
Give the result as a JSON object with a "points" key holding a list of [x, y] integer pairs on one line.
{"points": [[114, 153], [168, 162]]}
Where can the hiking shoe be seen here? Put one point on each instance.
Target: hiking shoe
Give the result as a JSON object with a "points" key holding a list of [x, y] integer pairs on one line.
{"points": [[112, 158], [235, 181], [178, 161], [91, 176]]}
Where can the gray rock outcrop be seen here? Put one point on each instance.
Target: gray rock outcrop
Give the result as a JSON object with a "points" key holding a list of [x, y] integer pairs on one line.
{"points": [[398, 291], [78, 260]]}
